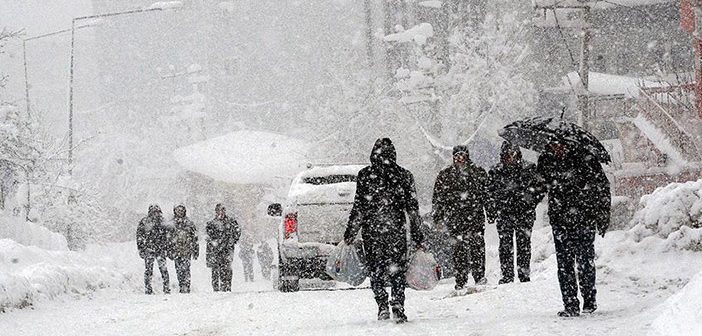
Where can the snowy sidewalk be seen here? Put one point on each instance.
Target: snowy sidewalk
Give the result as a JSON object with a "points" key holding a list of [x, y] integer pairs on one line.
{"points": [[628, 305]]}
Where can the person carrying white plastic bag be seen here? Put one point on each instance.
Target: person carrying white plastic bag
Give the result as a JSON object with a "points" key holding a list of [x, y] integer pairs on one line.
{"points": [[345, 265], [423, 272]]}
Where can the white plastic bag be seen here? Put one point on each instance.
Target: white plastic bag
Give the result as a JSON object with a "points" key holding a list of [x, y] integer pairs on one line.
{"points": [[423, 272], [345, 265]]}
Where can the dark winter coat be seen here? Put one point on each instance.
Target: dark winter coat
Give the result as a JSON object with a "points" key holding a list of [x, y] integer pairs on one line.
{"points": [[222, 235], [514, 189], [185, 241], [578, 190], [460, 197], [153, 237], [385, 194]]}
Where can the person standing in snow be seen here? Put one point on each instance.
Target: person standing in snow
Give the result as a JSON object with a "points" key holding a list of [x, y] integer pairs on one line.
{"points": [[385, 199], [222, 233], [514, 191], [246, 254], [459, 203], [579, 203], [264, 253], [153, 238], [185, 246]]}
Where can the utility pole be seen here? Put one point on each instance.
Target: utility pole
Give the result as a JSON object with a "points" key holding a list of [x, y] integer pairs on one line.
{"points": [[155, 7], [585, 115], [584, 71]]}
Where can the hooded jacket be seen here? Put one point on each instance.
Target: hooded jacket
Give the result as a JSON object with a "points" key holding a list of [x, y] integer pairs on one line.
{"points": [[153, 236], [514, 188], [460, 198], [385, 194], [578, 190]]}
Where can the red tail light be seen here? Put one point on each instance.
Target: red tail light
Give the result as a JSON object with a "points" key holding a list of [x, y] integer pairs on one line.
{"points": [[290, 224]]}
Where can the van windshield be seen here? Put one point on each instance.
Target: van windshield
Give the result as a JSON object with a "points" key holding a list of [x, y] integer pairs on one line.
{"points": [[329, 179]]}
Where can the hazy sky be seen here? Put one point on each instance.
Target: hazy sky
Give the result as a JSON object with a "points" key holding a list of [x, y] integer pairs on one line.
{"points": [[41, 16]]}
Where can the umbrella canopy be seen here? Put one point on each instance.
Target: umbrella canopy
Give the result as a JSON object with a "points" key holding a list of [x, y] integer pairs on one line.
{"points": [[536, 133]]}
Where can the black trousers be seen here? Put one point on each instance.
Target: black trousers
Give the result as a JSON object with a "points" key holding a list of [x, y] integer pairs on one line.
{"points": [[392, 271], [149, 272], [182, 266], [507, 231], [575, 245], [469, 257], [222, 276]]}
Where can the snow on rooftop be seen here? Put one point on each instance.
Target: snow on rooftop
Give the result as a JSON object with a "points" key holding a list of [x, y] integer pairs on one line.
{"points": [[660, 141], [606, 84], [418, 34], [245, 157]]}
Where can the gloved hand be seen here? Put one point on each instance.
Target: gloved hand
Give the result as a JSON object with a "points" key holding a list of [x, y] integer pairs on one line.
{"points": [[349, 241]]}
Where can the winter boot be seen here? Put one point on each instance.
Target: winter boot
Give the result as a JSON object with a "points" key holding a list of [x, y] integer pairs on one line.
{"points": [[166, 290], [569, 313], [589, 307], [524, 279], [481, 282], [148, 291], [505, 281], [398, 313], [383, 312]]}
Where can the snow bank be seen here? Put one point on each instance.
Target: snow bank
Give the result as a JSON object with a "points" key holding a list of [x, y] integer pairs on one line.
{"points": [[29, 274], [28, 233], [673, 212], [681, 313]]}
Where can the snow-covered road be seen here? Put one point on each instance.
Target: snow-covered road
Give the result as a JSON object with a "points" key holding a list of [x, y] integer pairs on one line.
{"points": [[628, 305]]}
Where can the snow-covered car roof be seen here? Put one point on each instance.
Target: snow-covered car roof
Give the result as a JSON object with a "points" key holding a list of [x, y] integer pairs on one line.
{"points": [[330, 170]]}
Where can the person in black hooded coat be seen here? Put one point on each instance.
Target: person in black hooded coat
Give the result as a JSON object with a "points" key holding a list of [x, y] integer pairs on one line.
{"points": [[153, 239], [385, 198], [515, 191], [459, 201], [579, 203]]}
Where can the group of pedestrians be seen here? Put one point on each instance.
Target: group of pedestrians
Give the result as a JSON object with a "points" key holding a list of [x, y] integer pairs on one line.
{"points": [[159, 239], [465, 198]]}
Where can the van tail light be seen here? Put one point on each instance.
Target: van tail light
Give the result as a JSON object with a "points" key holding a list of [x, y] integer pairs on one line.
{"points": [[290, 224]]}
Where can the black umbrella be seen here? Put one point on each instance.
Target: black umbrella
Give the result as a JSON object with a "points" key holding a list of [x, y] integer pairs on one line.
{"points": [[536, 133]]}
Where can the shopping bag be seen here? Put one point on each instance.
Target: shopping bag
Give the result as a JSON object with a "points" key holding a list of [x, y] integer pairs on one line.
{"points": [[423, 272], [345, 265]]}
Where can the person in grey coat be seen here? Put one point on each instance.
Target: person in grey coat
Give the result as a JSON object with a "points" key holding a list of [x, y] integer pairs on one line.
{"points": [[223, 233], [185, 246]]}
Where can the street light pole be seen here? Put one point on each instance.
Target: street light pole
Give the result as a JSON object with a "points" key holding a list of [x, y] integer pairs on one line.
{"points": [[70, 100], [71, 78]]}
